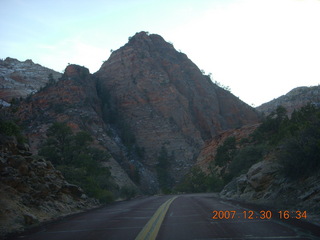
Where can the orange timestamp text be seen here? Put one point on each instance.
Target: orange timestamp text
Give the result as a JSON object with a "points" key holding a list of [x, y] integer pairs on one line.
{"points": [[263, 214]]}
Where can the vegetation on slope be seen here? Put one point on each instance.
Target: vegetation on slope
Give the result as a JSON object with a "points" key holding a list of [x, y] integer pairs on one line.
{"points": [[78, 161], [294, 142], [164, 178]]}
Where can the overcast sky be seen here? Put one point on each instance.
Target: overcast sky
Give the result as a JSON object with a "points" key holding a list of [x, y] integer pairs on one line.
{"points": [[261, 49]]}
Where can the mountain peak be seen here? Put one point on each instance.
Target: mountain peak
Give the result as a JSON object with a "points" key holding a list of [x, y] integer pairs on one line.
{"points": [[21, 78], [293, 100], [167, 101], [140, 35], [145, 39], [74, 70]]}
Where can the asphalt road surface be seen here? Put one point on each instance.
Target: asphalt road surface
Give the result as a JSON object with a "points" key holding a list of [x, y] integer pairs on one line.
{"points": [[190, 216]]}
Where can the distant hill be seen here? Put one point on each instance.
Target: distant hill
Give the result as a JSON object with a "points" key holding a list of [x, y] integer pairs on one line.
{"points": [[295, 99], [19, 79]]}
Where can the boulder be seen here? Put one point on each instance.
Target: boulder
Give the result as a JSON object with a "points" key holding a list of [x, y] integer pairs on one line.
{"points": [[261, 175], [30, 219], [71, 189]]}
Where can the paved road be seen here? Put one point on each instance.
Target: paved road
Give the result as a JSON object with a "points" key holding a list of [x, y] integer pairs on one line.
{"points": [[174, 217]]}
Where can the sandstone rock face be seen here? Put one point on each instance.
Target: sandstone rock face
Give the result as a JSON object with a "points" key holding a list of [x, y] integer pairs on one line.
{"points": [[167, 101], [74, 100], [295, 99], [255, 184], [19, 79], [161, 96], [209, 151], [32, 191], [263, 183]]}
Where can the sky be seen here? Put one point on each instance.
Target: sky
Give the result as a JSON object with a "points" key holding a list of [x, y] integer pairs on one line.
{"points": [[261, 49]]}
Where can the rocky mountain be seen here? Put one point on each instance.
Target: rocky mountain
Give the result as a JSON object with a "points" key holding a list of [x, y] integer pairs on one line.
{"points": [[274, 163], [154, 115], [147, 101], [32, 190], [293, 100], [167, 101], [73, 100], [20, 79], [209, 151]]}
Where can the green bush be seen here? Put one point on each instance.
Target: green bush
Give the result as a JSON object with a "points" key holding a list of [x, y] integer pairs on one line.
{"points": [[300, 155], [244, 158], [197, 181], [104, 196], [214, 183], [127, 192], [226, 151], [274, 128], [79, 163], [10, 128], [164, 178]]}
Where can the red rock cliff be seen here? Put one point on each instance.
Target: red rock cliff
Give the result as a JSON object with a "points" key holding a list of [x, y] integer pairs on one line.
{"points": [[167, 101]]}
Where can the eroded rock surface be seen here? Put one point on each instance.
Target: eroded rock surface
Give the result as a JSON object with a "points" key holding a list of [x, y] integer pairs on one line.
{"points": [[167, 101], [32, 190], [19, 79]]}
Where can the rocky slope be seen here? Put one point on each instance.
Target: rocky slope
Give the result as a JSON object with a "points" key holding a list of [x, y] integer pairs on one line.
{"points": [[209, 151], [74, 100], [263, 184], [167, 101], [293, 100], [146, 96], [270, 180], [32, 191], [19, 79]]}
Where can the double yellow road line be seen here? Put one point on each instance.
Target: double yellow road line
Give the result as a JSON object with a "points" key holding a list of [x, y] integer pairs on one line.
{"points": [[151, 229]]}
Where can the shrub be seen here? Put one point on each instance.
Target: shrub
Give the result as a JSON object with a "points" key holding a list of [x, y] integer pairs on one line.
{"points": [[214, 183], [273, 128], [78, 162], [244, 159], [9, 128], [127, 192], [198, 181], [226, 151], [164, 178], [300, 156]]}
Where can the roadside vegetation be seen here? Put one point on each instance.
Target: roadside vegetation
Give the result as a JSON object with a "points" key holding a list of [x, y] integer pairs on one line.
{"points": [[79, 162], [164, 178], [294, 141]]}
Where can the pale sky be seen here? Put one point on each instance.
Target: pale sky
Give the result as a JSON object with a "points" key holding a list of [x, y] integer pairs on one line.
{"points": [[261, 49]]}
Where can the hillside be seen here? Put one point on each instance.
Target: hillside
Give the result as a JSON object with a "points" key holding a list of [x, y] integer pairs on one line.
{"points": [[275, 163], [20, 79], [293, 100], [72, 100], [136, 126], [147, 100], [167, 101], [32, 190]]}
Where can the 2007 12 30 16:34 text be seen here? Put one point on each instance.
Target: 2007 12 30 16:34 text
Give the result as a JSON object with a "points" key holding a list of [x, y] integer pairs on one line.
{"points": [[263, 214]]}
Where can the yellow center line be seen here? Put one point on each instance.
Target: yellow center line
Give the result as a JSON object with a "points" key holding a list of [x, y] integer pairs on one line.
{"points": [[151, 229]]}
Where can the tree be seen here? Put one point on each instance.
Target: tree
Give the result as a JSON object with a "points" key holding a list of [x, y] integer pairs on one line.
{"points": [[197, 181], [274, 127], [51, 79], [58, 143], [78, 161], [300, 151], [162, 169], [226, 151]]}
